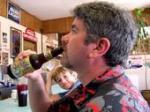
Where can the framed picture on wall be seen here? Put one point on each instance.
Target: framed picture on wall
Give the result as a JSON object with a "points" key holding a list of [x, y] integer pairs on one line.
{"points": [[5, 44], [14, 12], [4, 37], [4, 58], [15, 41]]}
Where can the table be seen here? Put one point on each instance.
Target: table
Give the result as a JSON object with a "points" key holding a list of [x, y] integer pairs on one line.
{"points": [[11, 105]]}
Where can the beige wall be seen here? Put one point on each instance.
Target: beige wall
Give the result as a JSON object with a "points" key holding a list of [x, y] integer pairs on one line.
{"points": [[5, 25]]}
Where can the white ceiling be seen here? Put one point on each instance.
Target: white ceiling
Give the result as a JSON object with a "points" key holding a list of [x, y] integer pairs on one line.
{"points": [[51, 9]]}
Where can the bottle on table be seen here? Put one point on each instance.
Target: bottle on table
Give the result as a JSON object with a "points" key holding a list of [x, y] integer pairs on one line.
{"points": [[30, 63]]}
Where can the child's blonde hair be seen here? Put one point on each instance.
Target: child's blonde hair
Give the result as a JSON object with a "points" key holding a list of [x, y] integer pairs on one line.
{"points": [[58, 70]]}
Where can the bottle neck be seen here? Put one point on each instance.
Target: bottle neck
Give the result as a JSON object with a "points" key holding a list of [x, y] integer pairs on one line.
{"points": [[54, 53]]}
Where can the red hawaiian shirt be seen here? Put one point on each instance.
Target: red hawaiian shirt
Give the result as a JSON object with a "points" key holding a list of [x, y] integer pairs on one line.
{"points": [[110, 92]]}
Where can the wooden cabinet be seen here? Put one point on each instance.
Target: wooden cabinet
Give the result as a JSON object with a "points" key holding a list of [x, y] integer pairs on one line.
{"points": [[61, 25]]}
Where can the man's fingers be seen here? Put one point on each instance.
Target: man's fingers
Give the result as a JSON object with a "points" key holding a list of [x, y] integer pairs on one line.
{"points": [[25, 54]]}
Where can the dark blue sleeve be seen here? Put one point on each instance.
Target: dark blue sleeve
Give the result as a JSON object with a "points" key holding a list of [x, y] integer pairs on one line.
{"points": [[62, 94]]}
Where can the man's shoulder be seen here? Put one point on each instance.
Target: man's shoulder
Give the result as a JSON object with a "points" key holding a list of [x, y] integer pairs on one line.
{"points": [[112, 98]]}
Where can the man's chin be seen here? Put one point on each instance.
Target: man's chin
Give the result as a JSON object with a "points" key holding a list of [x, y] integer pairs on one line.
{"points": [[66, 63], [62, 61]]}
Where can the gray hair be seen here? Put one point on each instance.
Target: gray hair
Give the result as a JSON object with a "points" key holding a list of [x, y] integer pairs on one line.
{"points": [[103, 19]]}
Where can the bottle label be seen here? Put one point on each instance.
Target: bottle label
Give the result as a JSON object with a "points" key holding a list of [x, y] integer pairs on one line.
{"points": [[21, 67], [48, 56]]}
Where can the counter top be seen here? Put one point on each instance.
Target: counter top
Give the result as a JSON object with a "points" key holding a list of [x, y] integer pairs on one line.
{"points": [[11, 105]]}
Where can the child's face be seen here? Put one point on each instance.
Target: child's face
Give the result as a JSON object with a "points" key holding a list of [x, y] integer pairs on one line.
{"points": [[66, 80]]}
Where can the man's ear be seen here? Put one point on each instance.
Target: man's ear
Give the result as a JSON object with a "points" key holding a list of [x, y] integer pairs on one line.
{"points": [[101, 47]]}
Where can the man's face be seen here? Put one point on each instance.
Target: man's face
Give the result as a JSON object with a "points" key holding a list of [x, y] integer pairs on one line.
{"points": [[66, 80], [75, 50]]}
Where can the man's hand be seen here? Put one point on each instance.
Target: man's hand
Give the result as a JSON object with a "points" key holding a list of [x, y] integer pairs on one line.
{"points": [[25, 54], [35, 74]]}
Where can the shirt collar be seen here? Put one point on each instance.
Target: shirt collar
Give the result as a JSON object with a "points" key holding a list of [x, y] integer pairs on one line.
{"points": [[111, 73]]}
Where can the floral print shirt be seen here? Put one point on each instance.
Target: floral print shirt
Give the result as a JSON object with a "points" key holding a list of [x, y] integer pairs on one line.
{"points": [[110, 92]]}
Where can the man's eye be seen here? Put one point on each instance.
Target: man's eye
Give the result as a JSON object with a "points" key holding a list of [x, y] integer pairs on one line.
{"points": [[73, 31]]}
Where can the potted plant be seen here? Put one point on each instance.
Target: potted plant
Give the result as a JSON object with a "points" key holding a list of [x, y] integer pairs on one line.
{"points": [[143, 42]]}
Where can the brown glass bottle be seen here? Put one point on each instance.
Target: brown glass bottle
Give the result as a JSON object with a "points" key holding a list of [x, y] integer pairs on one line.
{"points": [[31, 63]]}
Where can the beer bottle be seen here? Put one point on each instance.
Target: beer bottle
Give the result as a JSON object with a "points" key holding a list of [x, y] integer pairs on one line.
{"points": [[30, 63]]}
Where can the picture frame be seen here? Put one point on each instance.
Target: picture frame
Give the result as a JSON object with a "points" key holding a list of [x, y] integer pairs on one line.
{"points": [[13, 12], [15, 41], [4, 38], [5, 43], [5, 58]]}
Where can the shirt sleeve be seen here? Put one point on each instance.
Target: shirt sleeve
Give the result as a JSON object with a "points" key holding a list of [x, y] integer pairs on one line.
{"points": [[62, 94]]}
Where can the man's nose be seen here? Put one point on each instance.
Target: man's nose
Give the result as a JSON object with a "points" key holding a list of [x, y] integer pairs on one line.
{"points": [[64, 40], [63, 81]]}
